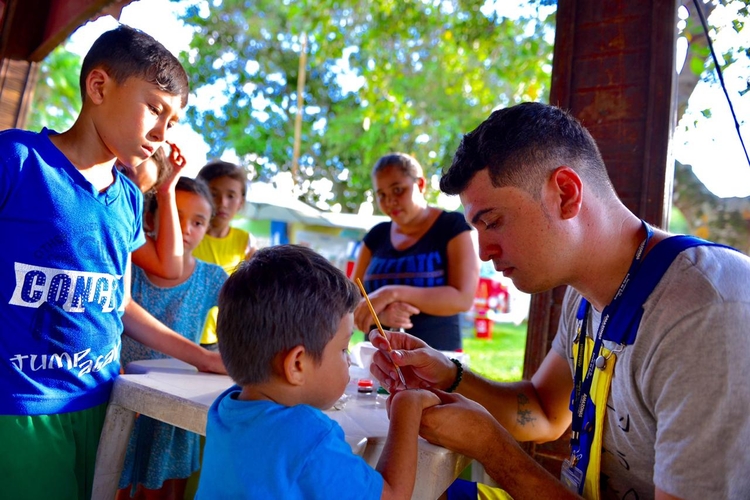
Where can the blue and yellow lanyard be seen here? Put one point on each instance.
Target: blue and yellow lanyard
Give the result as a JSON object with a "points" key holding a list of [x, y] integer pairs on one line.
{"points": [[582, 385], [629, 310]]}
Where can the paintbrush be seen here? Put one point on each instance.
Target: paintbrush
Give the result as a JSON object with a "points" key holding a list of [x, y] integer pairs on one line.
{"points": [[380, 329]]}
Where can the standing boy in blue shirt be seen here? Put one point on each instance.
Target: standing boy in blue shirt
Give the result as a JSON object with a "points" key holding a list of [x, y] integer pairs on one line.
{"points": [[71, 220], [285, 320]]}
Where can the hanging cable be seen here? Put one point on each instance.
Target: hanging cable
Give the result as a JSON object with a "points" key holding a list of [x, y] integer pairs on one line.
{"points": [[721, 77]]}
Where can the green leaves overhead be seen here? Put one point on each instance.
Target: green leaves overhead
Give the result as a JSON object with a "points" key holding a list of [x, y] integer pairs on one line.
{"points": [[57, 96], [383, 76]]}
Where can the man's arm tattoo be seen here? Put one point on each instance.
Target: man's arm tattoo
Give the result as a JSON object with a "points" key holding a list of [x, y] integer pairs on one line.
{"points": [[523, 416]]}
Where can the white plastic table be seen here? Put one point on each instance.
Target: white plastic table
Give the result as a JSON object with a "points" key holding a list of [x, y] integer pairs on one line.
{"points": [[176, 393]]}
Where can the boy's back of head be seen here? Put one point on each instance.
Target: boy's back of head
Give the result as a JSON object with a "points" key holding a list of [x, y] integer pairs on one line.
{"points": [[283, 297], [125, 52]]}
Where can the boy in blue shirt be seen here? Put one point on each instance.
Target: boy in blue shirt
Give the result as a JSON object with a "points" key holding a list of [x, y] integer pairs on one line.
{"points": [[285, 320], [71, 220]]}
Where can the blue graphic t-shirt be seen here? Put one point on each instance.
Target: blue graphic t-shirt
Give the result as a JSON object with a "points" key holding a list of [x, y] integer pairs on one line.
{"points": [[64, 254], [424, 264], [261, 449]]}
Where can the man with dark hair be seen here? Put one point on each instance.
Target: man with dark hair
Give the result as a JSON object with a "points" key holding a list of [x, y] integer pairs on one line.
{"points": [[658, 396]]}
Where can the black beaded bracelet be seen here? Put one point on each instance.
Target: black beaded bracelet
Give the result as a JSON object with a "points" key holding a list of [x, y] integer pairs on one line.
{"points": [[459, 375]]}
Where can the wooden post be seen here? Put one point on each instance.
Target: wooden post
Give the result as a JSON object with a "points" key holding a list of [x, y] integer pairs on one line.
{"points": [[300, 105]]}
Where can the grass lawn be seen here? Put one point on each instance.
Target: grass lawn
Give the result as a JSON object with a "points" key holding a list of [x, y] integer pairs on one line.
{"points": [[500, 357]]}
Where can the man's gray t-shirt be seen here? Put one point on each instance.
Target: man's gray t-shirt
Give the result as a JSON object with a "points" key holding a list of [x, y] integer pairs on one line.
{"points": [[678, 413]]}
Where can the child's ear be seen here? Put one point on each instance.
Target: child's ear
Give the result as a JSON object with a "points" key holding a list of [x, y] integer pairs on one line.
{"points": [[95, 82], [294, 364]]}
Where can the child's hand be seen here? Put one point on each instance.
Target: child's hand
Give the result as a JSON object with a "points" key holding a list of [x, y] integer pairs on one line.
{"points": [[175, 157], [178, 162], [211, 363], [423, 398]]}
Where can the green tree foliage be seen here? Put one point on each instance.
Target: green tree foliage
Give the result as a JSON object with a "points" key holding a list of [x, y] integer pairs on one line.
{"points": [[393, 75], [57, 96], [409, 75], [725, 220]]}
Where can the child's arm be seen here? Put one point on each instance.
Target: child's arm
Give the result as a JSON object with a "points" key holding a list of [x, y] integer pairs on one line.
{"points": [[163, 256], [142, 326], [398, 462], [149, 331]]}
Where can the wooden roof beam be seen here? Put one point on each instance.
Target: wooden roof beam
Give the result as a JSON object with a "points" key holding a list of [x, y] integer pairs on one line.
{"points": [[31, 29]]}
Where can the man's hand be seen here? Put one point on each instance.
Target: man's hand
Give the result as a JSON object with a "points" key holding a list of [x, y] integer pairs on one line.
{"points": [[461, 425], [421, 365]]}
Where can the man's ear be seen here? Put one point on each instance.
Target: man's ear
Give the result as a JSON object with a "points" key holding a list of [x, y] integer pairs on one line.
{"points": [[294, 365], [95, 82], [568, 189]]}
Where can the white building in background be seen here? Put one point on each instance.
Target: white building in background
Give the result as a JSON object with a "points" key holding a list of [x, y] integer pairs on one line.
{"points": [[275, 216]]}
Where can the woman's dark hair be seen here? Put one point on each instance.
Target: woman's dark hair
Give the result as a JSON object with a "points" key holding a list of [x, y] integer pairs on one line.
{"points": [[407, 164]]}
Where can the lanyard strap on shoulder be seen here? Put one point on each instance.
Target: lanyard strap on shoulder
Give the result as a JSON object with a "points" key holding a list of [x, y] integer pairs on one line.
{"points": [[624, 330], [619, 324], [581, 382]]}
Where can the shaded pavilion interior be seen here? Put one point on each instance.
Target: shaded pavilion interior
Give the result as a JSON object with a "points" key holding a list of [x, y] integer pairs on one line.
{"points": [[613, 68]]}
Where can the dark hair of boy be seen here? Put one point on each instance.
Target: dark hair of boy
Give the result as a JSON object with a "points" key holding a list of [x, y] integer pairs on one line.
{"points": [[219, 168], [189, 185], [521, 145], [283, 297], [126, 52]]}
